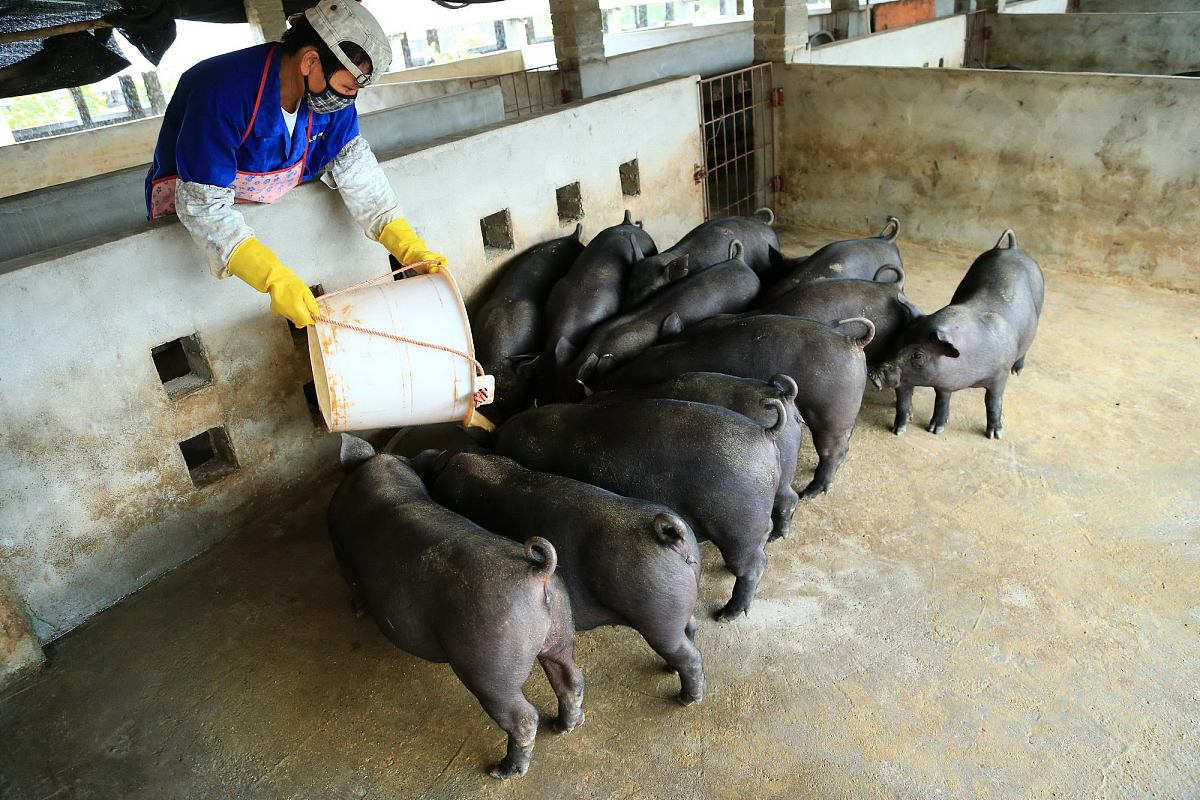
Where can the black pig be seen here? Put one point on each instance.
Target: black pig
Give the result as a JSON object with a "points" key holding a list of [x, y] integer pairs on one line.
{"points": [[870, 259], [703, 247], [508, 328], [828, 366], [715, 467], [624, 561], [750, 398], [589, 294], [976, 341], [832, 301], [727, 287], [445, 590]]}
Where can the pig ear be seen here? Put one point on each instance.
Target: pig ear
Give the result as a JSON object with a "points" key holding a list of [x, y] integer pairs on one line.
{"points": [[525, 364], [564, 352], [578, 232], [354, 453], [628, 217], [672, 324], [587, 370], [678, 269], [948, 349], [735, 249]]}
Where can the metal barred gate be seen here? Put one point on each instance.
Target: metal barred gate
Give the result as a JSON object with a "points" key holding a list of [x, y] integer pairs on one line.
{"points": [[737, 128]]}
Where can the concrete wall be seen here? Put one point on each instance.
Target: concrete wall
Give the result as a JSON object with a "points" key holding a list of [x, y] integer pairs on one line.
{"points": [[1134, 6], [113, 204], [27, 166], [1140, 44], [939, 43], [707, 56], [19, 648], [1036, 7], [616, 44], [488, 64], [96, 497], [1095, 173]]}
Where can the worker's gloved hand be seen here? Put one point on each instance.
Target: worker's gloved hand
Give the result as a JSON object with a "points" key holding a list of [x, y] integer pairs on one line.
{"points": [[253, 262], [402, 241]]}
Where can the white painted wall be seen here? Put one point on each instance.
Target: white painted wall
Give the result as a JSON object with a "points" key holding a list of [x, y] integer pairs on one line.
{"points": [[1036, 7], [705, 56], [616, 44], [96, 498], [922, 45]]}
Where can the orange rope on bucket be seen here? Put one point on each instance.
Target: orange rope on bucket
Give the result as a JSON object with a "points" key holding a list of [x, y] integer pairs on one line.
{"points": [[479, 370]]}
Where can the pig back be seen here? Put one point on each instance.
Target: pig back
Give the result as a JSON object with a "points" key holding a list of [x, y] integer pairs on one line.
{"points": [[716, 468], [424, 571], [829, 302], [828, 367]]}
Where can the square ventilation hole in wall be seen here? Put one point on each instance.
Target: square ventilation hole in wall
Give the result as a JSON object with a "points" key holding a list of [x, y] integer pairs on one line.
{"points": [[570, 203], [209, 456], [497, 233], [300, 335], [182, 366], [631, 179], [314, 407]]}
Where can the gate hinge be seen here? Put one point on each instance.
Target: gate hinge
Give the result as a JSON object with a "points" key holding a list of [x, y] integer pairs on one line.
{"points": [[777, 183], [777, 96], [698, 174]]}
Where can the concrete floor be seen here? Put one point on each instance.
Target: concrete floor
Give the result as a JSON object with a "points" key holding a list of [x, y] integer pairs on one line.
{"points": [[958, 618]]}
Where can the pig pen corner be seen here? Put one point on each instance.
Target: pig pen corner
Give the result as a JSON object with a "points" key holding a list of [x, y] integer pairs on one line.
{"points": [[829, 435]]}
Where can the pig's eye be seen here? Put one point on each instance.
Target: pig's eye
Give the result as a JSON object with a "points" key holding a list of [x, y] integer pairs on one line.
{"points": [[917, 355]]}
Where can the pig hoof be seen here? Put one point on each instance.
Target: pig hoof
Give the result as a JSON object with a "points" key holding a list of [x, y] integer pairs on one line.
{"points": [[993, 433], [729, 615], [686, 699], [899, 429], [935, 428], [566, 726], [505, 771]]}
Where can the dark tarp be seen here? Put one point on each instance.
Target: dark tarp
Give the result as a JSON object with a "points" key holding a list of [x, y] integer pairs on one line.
{"points": [[76, 59]]}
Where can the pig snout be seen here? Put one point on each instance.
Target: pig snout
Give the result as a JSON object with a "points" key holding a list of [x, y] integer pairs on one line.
{"points": [[885, 376]]}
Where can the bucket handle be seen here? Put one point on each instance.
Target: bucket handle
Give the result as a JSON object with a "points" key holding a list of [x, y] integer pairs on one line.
{"points": [[479, 370]]}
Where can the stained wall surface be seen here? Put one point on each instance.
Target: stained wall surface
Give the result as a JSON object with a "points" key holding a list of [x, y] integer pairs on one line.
{"points": [[1096, 171], [1140, 44], [95, 497]]}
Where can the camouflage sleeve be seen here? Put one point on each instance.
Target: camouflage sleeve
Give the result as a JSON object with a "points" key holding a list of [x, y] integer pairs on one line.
{"points": [[364, 188], [210, 217]]}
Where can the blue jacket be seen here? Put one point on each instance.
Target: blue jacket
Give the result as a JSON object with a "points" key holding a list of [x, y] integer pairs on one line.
{"points": [[214, 106]]}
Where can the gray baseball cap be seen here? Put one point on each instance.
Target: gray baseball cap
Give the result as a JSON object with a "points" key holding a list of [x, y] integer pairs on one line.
{"points": [[337, 21]]}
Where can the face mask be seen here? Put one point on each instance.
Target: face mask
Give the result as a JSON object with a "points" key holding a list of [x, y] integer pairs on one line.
{"points": [[328, 101]]}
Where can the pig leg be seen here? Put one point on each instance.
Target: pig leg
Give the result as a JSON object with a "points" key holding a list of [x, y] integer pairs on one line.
{"points": [[567, 681], [785, 508], [512, 712], [993, 402], [941, 411], [832, 448], [681, 655], [903, 409], [749, 568]]}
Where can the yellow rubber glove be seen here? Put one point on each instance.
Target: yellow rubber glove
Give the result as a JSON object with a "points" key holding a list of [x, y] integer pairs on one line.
{"points": [[402, 241], [253, 262]]}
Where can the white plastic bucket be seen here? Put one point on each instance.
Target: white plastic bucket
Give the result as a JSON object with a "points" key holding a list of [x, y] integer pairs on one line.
{"points": [[368, 381]]}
